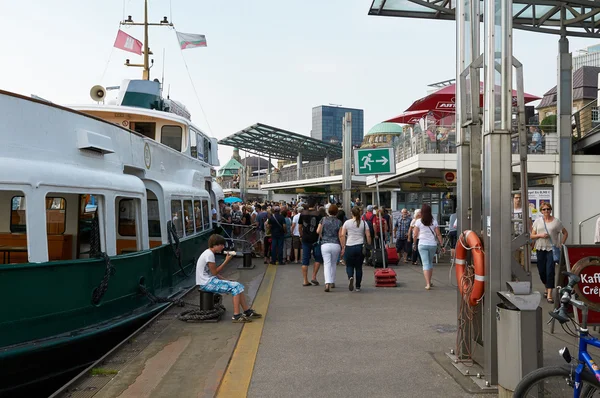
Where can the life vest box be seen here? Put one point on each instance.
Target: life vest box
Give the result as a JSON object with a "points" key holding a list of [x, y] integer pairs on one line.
{"points": [[385, 277]]}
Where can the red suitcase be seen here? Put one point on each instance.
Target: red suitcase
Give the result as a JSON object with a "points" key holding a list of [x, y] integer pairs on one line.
{"points": [[385, 277], [392, 255]]}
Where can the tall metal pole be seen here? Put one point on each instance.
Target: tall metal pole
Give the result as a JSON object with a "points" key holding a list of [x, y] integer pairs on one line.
{"points": [[497, 169], [380, 222], [347, 164], [565, 153], [146, 74], [468, 135]]}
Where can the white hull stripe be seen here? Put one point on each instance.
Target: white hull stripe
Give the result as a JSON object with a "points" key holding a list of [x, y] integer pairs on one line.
{"points": [[479, 278], [459, 261]]}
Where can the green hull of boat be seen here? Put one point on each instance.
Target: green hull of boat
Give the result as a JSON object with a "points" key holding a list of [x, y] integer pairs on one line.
{"points": [[51, 303]]}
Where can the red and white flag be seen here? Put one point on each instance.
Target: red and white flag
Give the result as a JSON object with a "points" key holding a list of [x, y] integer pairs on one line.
{"points": [[128, 43]]}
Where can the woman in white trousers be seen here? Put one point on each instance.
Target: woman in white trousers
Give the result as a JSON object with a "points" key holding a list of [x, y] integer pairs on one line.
{"points": [[329, 231]]}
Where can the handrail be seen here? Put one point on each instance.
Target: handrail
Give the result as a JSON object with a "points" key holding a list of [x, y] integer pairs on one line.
{"points": [[592, 103], [581, 223]]}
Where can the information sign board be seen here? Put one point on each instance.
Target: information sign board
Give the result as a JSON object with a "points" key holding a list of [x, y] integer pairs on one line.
{"points": [[374, 161]]}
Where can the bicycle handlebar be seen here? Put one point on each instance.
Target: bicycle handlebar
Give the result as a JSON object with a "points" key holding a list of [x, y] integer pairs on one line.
{"points": [[560, 313]]}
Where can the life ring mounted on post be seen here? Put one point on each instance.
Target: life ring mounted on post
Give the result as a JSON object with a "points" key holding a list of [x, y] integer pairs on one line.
{"points": [[469, 241]]}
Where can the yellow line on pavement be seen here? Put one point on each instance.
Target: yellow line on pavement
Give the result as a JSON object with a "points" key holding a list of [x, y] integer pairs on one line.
{"points": [[238, 375]]}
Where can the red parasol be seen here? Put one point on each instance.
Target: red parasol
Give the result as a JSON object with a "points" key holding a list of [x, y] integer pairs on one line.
{"points": [[444, 100], [413, 117]]}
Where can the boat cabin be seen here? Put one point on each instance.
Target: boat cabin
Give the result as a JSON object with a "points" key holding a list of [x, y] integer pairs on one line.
{"points": [[68, 193]]}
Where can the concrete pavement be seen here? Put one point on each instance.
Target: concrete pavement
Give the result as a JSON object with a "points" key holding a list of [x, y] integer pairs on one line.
{"points": [[381, 342]]}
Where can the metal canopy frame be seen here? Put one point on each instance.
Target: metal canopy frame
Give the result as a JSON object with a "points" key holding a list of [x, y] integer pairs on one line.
{"points": [[578, 18], [267, 141]]}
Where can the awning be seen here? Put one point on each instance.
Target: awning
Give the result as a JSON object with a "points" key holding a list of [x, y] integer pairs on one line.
{"points": [[544, 16], [268, 141], [413, 117], [444, 100]]}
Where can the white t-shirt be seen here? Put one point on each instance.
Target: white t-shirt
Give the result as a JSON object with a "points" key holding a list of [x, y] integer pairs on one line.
{"points": [[427, 233], [203, 274], [296, 231], [356, 235]]}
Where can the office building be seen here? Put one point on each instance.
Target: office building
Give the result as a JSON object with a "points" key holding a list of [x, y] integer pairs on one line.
{"points": [[327, 124], [588, 57]]}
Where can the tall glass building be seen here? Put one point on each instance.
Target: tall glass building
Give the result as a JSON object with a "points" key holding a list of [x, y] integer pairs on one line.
{"points": [[327, 124]]}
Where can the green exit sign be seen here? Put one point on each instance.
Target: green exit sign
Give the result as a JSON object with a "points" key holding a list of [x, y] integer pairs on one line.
{"points": [[374, 161]]}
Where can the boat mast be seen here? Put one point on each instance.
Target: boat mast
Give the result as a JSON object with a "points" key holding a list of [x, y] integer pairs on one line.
{"points": [[147, 63]]}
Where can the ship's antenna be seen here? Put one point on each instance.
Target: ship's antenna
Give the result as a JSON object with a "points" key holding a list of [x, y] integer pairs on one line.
{"points": [[162, 81], [147, 63], [169, 92]]}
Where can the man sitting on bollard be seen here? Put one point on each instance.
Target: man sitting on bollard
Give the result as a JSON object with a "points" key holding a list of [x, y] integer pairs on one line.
{"points": [[209, 280]]}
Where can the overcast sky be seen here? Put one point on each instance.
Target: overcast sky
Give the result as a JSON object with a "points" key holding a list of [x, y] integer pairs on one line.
{"points": [[267, 61]]}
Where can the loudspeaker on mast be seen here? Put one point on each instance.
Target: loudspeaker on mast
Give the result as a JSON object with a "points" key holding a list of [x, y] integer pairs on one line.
{"points": [[98, 93]]}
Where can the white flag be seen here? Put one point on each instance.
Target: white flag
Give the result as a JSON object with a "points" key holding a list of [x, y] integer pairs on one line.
{"points": [[190, 40]]}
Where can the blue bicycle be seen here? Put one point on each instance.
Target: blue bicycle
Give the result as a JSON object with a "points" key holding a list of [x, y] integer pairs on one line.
{"points": [[578, 379]]}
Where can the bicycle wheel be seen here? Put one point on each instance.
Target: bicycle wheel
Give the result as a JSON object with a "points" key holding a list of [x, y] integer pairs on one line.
{"points": [[556, 381]]}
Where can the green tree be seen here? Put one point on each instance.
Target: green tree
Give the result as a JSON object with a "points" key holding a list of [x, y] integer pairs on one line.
{"points": [[549, 124]]}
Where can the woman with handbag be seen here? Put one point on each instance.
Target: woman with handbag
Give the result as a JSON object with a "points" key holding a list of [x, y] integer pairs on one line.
{"points": [[545, 232], [329, 232], [353, 247], [427, 233]]}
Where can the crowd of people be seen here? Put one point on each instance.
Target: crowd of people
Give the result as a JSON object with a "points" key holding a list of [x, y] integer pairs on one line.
{"points": [[307, 231], [321, 234]]}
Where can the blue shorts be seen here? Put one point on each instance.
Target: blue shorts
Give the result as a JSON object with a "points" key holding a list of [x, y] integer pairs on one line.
{"points": [[216, 285], [307, 250]]}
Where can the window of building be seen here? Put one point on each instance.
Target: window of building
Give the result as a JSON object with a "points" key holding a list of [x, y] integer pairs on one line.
{"points": [[594, 114], [171, 136]]}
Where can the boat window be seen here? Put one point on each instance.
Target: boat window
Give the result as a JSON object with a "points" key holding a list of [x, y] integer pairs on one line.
{"points": [[13, 246], [193, 146], [205, 214], [171, 137], [127, 212], [126, 217], [153, 218], [88, 230], [200, 141], [147, 129], [197, 215], [207, 151], [176, 217], [17, 215], [55, 215], [188, 211]]}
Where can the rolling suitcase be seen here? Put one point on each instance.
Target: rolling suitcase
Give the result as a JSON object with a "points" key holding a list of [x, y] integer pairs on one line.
{"points": [[392, 255], [377, 258]]}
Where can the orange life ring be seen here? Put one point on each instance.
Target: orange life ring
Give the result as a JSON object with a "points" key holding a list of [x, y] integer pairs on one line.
{"points": [[469, 240]]}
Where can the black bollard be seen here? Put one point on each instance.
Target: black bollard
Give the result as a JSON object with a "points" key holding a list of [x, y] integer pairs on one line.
{"points": [[247, 261], [207, 301]]}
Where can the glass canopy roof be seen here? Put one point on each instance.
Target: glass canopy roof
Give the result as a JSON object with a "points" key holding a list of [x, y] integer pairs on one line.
{"points": [[263, 140], [581, 17]]}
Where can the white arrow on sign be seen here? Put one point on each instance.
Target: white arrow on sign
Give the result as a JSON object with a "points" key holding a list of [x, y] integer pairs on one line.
{"points": [[383, 161]]}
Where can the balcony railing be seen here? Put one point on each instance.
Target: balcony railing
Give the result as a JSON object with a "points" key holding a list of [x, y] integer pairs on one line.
{"points": [[309, 171], [585, 120]]}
